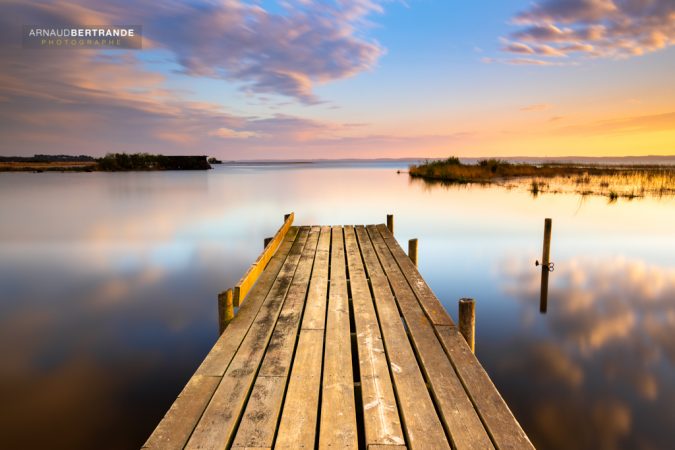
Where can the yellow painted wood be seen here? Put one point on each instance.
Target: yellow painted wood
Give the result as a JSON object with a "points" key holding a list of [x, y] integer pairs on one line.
{"points": [[259, 422], [217, 425], [251, 276]]}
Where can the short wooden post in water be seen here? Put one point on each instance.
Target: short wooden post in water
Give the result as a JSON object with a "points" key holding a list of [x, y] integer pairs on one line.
{"points": [[225, 309], [467, 321], [267, 242], [545, 257], [546, 253], [390, 223], [412, 250]]}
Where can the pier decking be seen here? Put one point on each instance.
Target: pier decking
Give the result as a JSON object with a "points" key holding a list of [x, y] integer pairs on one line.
{"points": [[339, 343]]}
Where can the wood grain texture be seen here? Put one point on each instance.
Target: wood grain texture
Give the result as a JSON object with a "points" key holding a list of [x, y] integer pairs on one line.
{"points": [[218, 359], [217, 425], [430, 303], [314, 317], [259, 422], [503, 427], [380, 412], [179, 421], [175, 428], [298, 425], [338, 415], [421, 425], [251, 276], [457, 413]]}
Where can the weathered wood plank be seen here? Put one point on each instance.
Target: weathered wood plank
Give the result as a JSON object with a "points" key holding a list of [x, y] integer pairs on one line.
{"points": [[503, 427], [216, 427], [432, 306], [259, 421], [420, 422], [457, 413], [279, 354], [297, 428], [338, 415], [314, 317], [260, 418], [173, 431], [223, 351], [251, 276], [178, 423], [380, 413], [387, 447]]}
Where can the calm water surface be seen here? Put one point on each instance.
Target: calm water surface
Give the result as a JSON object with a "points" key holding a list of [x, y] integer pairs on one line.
{"points": [[108, 289]]}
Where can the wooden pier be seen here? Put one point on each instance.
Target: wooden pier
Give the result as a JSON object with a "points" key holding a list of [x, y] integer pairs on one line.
{"points": [[338, 343]]}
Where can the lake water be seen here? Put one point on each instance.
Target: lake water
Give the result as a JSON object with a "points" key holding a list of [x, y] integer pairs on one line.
{"points": [[108, 286]]}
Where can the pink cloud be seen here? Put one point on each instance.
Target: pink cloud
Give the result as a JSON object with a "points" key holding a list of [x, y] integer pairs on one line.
{"points": [[594, 28]]}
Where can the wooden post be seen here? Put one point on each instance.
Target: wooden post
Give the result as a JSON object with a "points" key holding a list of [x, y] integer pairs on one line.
{"points": [[390, 223], [266, 242], [545, 261], [412, 250], [546, 252], [286, 216], [225, 309], [467, 321]]}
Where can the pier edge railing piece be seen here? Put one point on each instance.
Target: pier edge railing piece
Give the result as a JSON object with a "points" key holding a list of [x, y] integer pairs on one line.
{"points": [[251, 276]]}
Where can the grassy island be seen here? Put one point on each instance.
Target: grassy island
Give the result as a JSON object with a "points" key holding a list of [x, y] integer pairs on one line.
{"points": [[613, 181], [112, 162]]}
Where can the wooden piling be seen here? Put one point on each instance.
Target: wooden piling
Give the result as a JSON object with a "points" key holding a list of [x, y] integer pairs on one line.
{"points": [[545, 256], [266, 242], [545, 261], [412, 250], [286, 216], [225, 309], [390, 223], [467, 321]]}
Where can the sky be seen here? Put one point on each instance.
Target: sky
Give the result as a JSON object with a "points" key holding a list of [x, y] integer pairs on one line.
{"points": [[245, 80]]}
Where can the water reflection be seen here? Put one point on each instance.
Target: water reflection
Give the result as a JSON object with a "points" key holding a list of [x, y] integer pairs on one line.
{"points": [[604, 354], [109, 282]]}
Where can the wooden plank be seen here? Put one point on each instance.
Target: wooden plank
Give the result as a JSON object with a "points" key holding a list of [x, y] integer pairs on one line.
{"points": [[314, 317], [223, 351], [387, 447], [178, 423], [430, 303], [297, 428], [503, 427], [260, 418], [380, 413], [457, 413], [251, 276], [419, 420], [217, 425], [259, 422], [279, 354], [338, 415]]}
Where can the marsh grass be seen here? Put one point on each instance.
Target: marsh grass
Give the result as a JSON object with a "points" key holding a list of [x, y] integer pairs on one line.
{"points": [[613, 182]]}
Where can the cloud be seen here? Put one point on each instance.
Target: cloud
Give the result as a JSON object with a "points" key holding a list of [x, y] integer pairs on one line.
{"points": [[537, 107], [284, 52], [593, 28], [633, 124]]}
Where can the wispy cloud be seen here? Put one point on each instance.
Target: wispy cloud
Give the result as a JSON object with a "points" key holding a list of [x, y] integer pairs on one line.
{"points": [[593, 28], [537, 107]]}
